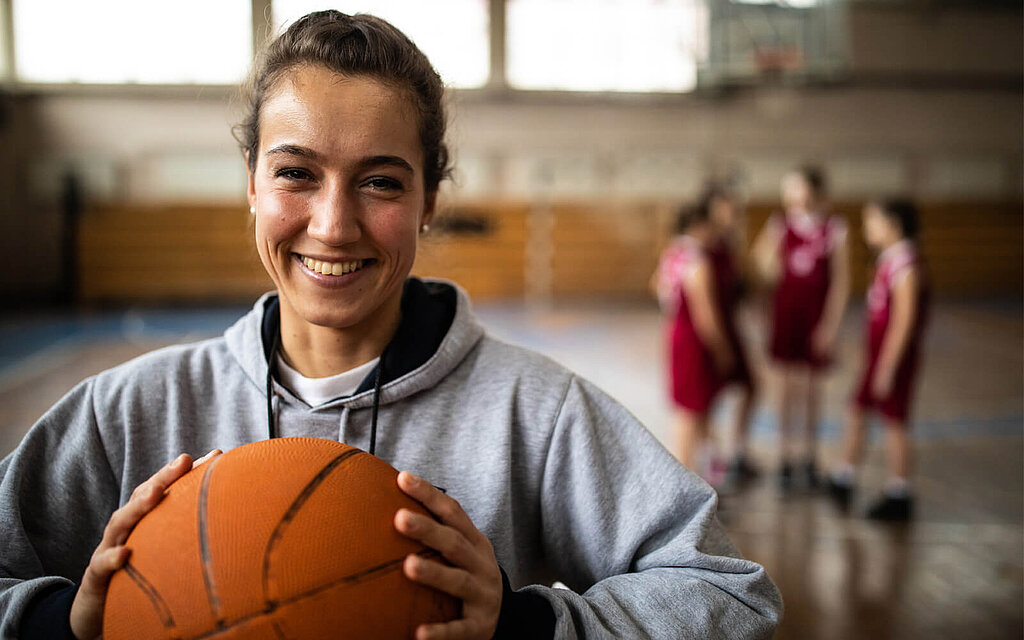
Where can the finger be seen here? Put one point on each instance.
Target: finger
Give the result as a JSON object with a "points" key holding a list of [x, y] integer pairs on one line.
{"points": [[451, 543], [454, 630], [446, 508], [143, 499], [209, 456], [451, 580], [167, 474], [103, 565]]}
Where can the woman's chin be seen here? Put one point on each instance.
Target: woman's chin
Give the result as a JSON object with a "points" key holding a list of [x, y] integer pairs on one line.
{"points": [[335, 318]]}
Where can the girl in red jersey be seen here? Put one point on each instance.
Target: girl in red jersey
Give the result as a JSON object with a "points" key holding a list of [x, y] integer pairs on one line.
{"points": [[897, 310], [697, 282], [803, 253]]}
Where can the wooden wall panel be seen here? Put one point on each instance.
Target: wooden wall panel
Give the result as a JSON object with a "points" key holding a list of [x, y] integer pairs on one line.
{"points": [[488, 264], [601, 249], [168, 254]]}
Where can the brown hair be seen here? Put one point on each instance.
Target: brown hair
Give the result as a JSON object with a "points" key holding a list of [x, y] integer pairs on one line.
{"points": [[700, 210], [814, 176], [359, 45], [903, 212]]}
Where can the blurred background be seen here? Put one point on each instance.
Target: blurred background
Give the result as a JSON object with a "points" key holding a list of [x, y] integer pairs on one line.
{"points": [[578, 127]]}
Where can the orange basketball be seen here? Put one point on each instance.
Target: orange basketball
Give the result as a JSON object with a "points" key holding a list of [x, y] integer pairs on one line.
{"points": [[288, 538]]}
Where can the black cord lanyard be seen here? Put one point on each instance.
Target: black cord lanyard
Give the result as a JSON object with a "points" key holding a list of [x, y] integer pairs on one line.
{"points": [[271, 365]]}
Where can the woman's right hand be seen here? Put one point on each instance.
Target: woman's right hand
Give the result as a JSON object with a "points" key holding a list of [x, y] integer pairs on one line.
{"points": [[111, 554]]}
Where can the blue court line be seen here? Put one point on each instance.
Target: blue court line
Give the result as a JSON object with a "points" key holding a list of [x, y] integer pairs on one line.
{"points": [[23, 338]]}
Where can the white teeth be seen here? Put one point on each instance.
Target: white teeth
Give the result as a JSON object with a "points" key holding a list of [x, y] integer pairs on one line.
{"points": [[332, 268]]}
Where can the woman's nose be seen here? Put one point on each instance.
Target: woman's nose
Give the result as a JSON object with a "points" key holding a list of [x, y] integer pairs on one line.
{"points": [[335, 220]]}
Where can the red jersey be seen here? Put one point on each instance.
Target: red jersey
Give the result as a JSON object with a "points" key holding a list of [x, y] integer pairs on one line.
{"points": [[694, 380], [893, 264], [806, 246]]}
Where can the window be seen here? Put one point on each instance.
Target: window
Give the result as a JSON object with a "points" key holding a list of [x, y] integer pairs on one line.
{"points": [[606, 45], [127, 41], [794, 4], [4, 71], [452, 33]]}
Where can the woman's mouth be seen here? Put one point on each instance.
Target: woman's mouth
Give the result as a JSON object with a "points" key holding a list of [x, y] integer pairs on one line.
{"points": [[340, 268]]}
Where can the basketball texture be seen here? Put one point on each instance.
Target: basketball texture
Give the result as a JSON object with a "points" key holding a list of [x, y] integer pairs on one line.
{"points": [[282, 539]]}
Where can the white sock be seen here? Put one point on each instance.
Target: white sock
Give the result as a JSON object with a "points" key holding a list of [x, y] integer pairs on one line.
{"points": [[896, 487]]}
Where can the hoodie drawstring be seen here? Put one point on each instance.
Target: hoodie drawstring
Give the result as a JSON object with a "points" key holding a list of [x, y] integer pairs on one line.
{"points": [[271, 362], [377, 383], [376, 402]]}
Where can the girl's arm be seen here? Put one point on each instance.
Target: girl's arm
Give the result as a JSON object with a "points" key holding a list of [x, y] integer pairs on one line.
{"points": [[699, 289], [897, 335], [824, 338], [765, 251]]}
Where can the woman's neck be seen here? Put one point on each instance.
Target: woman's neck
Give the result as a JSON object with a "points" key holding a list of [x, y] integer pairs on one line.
{"points": [[319, 352]]}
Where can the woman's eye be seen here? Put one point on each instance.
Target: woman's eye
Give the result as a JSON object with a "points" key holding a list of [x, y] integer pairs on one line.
{"points": [[293, 174], [384, 184]]}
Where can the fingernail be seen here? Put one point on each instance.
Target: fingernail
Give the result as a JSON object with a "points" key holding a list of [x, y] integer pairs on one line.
{"points": [[412, 563], [180, 458]]}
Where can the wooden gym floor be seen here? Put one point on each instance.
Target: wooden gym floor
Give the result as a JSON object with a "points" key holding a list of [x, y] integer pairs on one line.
{"points": [[956, 571]]}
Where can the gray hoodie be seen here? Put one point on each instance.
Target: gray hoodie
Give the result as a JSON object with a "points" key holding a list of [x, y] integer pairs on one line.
{"points": [[565, 483]]}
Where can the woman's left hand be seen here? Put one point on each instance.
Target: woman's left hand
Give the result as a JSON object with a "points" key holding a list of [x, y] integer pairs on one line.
{"points": [[473, 577], [822, 341]]}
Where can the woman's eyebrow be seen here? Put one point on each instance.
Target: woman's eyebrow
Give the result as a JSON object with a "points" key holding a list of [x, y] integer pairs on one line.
{"points": [[294, 150], [390, 161], [365, 163]]}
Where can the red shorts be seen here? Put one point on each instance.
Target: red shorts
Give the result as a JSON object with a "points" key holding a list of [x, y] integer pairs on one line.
{"points": [[793, 323], [693, 378], [895, 406]]}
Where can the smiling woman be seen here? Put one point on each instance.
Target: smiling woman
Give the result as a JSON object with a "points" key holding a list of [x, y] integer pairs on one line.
{"points": [[334, 185], [545, 477]]}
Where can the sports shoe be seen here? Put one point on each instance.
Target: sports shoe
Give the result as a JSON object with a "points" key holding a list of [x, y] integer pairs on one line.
{"points": [[840, 492], [739, 472], [810, 475], [892, 509], [786, 477]]}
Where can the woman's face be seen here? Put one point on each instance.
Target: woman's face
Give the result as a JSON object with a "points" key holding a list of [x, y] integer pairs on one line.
{"points": [[796, 192], [879, 231], [339, 196], [724, 213]]}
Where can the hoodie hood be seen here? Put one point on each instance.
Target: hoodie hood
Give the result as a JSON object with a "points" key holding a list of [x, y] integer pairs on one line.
{"points": [[438, 329]]}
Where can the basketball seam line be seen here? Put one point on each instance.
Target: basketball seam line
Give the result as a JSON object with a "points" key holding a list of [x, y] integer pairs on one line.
{"points": [[293, 510], [162, 610], [278, 630], [204, 543]]}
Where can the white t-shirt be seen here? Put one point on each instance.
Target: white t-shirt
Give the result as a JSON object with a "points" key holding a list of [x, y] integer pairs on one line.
{"points": [[317, 391]]}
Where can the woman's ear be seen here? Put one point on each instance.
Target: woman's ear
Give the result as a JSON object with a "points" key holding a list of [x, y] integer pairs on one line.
{"points": [[429, 208]]}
